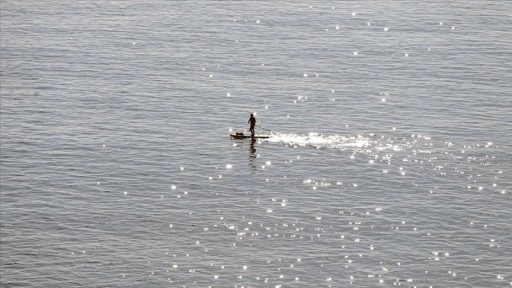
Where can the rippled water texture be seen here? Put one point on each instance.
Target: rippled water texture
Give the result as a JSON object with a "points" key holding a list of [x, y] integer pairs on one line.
{"points": [[389, 161]]}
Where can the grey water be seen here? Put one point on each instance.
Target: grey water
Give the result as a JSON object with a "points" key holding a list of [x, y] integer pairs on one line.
{"points": [[389, 162]]}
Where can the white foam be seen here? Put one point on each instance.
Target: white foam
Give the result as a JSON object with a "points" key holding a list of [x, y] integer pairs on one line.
{"points": [[321, 141]]}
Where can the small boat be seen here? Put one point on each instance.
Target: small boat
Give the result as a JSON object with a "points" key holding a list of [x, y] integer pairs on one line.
{"points": [[242, 136]]}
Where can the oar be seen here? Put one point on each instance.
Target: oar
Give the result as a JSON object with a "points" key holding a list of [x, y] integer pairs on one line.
{"points": [[263, 128]]}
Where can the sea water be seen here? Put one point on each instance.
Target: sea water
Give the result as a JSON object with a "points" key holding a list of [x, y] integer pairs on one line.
{"points": [[389, 162]]}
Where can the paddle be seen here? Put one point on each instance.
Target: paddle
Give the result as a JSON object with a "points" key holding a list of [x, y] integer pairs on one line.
{"points": [[263, 128]]}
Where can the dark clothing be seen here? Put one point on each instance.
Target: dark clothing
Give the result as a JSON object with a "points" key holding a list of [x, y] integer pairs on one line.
{"points": [[252, 123]]}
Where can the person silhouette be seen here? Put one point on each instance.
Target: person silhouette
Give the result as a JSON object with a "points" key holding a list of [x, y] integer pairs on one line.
{"points": [[252, 123]]}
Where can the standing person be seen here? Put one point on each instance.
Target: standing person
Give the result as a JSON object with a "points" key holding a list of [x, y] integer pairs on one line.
{"points": [[252, 123]]}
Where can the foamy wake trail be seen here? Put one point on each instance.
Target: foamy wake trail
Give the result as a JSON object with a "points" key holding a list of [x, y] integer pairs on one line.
{"points": [[339, 142], [371, 146]]}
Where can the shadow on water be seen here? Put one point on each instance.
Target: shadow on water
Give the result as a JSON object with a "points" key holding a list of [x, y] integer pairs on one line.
{"points": [[252, 155]]}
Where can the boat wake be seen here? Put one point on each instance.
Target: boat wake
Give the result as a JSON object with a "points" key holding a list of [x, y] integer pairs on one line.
{"points": [[366, 144], [467, 160]]}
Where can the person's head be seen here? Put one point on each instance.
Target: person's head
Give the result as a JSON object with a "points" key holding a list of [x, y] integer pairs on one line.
{"points": [[252, 115]]}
